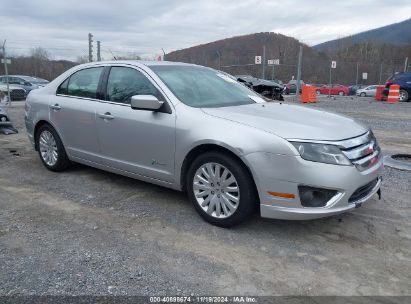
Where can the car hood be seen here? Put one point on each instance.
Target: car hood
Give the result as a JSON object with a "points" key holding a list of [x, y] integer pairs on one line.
{"points": [[291, 121]]}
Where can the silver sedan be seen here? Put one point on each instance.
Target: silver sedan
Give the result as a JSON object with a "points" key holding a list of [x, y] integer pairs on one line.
{"points": [[367, 91], [195, 129]]}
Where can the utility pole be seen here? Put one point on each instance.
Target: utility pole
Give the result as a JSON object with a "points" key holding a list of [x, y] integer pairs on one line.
{"points": [[380, 74], [98, 51], [329, 88], [7, 74], [272, 73], [264, 60], [300, 61], [406, 64], [356, 77], [219, 60], [90, 47]]}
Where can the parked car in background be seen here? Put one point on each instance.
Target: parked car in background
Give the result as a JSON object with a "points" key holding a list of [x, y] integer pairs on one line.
{"points": [[28, 83], [229, 150], [291, 87], [353, 88], [334, 89], [34, 80], [367, 91], [16, 92], [404, 81], [267, 88]]}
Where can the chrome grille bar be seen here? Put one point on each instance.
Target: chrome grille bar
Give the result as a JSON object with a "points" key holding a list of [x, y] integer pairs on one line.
{"points": [[362, 151]]}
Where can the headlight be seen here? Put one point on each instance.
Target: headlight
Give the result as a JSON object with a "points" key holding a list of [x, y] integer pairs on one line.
{"points": [[321, 153]]}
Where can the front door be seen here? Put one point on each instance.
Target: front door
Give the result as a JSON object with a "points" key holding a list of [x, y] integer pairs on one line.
{"points": [[137, 141]]}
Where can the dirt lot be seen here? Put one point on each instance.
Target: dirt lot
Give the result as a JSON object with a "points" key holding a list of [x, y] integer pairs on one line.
{"points": [[86, 231]]}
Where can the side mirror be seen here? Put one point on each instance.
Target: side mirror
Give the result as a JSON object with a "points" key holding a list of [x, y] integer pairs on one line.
{"points": [[146, 102]]}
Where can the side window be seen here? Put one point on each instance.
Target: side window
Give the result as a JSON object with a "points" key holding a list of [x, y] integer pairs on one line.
{"points": [[13, 80], [123, 83], [84, 83], [62, 89]]}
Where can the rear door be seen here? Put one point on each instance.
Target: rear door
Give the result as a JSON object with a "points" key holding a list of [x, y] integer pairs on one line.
{"points": [[73, 113], [137, 141]]}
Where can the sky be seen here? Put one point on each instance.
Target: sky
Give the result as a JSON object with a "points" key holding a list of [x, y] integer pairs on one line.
{"points": [[146, 27]]}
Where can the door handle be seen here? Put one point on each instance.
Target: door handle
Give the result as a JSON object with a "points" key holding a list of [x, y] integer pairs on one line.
{"points": [[55, 107], [106, 115]]}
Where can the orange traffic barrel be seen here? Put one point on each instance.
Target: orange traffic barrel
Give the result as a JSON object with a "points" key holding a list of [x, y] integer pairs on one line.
{"points": [[312, 94], [394, 93], [378, 93], [308, 94]]}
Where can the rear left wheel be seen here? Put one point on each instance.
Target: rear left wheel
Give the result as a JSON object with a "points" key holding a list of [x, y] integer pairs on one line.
{"points": [[221, 189], [362, 94], [341, 93]]}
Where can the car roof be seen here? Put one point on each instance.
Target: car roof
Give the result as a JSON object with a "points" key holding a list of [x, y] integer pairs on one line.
{"points": [[141, 62]]}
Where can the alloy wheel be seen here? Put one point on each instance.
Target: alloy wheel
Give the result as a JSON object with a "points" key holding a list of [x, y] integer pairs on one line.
{"points": [[48, 148], [216, 190], [403, 95]]}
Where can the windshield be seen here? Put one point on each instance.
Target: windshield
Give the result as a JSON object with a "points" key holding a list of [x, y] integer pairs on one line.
{"points": [[202, 87]]}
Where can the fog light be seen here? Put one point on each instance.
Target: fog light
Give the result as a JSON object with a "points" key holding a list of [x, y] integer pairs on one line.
{"points": [[315, 197]]}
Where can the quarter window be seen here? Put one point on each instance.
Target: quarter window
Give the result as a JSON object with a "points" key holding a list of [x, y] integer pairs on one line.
{"points": [[84, 83], [62, 89], [123, 83]]}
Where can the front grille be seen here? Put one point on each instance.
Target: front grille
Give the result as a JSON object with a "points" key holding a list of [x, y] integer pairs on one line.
{"points": [[17, 94], [362, 151], [363, 191]]}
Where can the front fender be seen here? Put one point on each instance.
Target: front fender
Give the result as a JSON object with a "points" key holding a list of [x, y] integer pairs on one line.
{"points": [[238, 138]]}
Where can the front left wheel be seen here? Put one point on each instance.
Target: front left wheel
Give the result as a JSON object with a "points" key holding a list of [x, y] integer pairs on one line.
{"points": [[221, 189], [51, 149]]}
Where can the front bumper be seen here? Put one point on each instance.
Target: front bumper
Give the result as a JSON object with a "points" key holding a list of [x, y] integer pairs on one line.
{"points": [[282, 173]]}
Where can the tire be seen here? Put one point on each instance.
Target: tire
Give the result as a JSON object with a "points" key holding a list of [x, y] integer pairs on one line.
{"points": [[363, 94], [404, 96], [318, 92], [341, 93], [217, 198], [51, 149]]}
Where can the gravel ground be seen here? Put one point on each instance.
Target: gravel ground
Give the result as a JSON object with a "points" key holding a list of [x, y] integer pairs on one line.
{"points": [[88, 232]]}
